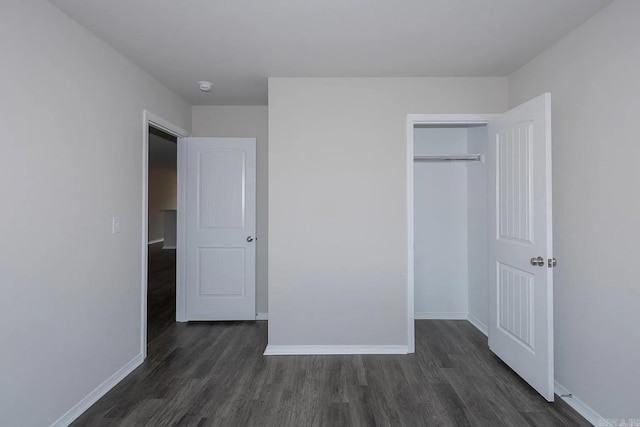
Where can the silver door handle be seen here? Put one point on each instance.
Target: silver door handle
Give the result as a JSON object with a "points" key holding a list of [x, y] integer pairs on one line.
{"points": [[250, 239], [539, 261]]}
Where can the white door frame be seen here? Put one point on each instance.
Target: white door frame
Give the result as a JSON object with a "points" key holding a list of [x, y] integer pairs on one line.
{"points": [[150, 119], [412, 120]]}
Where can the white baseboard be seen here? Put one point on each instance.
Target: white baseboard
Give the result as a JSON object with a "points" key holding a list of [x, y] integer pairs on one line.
{"points": [[582, 408], [441, 316], [97, 393], [282, 350], [262, 316], [151, 242], [478, 324]]}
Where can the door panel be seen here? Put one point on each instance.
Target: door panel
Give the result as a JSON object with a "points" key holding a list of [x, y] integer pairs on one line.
{"points": [[514, 156], [221, 188], [220, 215], [515, 304], [521, 294], [221, 272]]}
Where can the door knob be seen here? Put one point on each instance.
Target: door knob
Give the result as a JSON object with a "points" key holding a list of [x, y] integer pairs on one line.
{"points": [[539, 261], [250, 239]]}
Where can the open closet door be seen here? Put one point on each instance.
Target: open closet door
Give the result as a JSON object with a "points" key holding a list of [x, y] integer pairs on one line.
{"points": [[520, 243]]}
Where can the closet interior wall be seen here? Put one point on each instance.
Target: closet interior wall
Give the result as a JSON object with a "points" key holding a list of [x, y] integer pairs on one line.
{"points": [[450, 222]]}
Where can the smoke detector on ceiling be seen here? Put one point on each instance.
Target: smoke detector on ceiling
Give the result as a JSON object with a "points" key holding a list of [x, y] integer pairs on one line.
{"points": [[205, 86]]}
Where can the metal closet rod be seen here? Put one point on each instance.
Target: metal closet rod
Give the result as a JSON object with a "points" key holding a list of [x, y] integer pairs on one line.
{"points": [[449, 158]]}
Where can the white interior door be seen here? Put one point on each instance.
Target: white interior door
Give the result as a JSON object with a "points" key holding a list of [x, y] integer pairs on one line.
{"points": [[220, 218], [520, 243]]}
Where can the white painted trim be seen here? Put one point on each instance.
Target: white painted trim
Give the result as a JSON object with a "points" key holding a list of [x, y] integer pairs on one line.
{"points": [[91, 398], [441, 316], [478, 324], [262, 316], [582, 408], [283, 350], [164, 125], [150, 119], [451, 119], [151, 242], [181, 235], [412, 120], [411, 325]]}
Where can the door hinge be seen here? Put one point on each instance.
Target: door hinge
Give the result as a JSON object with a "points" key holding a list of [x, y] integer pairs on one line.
{"points": [[552, 262]]}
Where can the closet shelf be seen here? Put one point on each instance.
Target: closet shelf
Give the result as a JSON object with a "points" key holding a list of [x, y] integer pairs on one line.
{"points": [[450, 158]]}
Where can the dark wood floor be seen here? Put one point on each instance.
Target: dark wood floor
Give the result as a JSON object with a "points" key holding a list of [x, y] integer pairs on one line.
{"points": [[161, 291], [214, 374]]}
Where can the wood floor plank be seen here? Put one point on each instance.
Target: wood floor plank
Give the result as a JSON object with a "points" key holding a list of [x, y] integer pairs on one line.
{"points": [[214, 374]]}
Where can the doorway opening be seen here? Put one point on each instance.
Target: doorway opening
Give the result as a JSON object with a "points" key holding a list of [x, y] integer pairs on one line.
{"points": [[161, 250], [161, 214], [450, 223], [447, 208], [486, 248]]}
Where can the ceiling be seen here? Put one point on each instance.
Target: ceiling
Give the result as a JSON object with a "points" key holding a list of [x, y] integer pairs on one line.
{"points": [[237, 44]]}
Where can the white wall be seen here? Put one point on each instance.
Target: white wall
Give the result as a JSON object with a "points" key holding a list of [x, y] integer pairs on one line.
{"points": [[163, 183], [245, 121], [338, 201], [71, 123], [593, 76], [477, 186], [440, 226]]}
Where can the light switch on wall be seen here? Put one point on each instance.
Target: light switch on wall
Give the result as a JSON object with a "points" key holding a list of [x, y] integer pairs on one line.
{"points": [[115, 225]]}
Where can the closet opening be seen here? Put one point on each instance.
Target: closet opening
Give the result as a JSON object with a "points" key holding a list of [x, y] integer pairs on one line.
{"points": [[448, 220], [480, 242]]}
